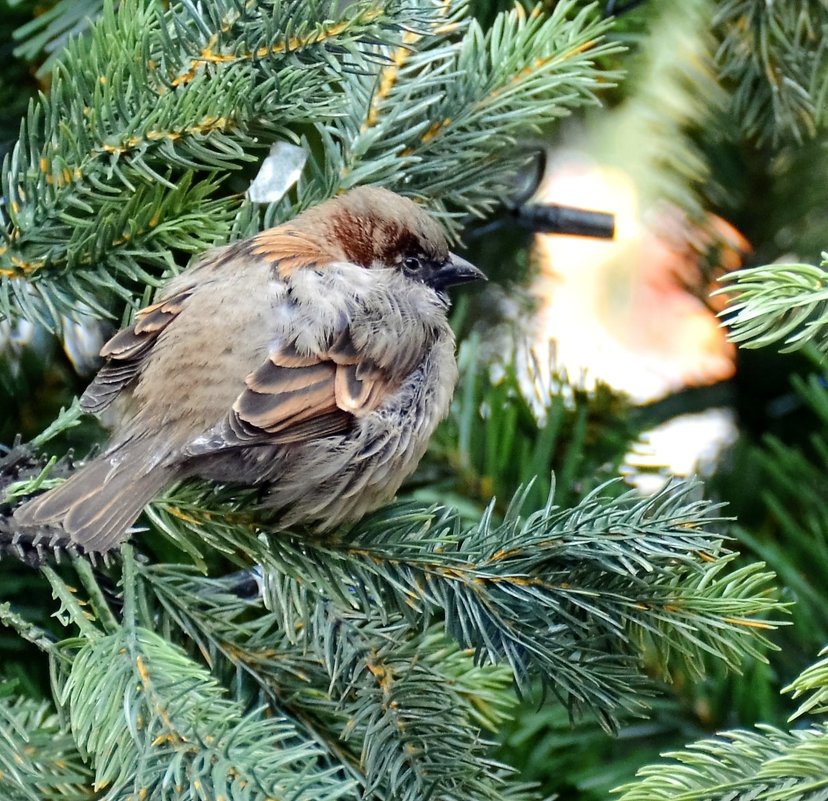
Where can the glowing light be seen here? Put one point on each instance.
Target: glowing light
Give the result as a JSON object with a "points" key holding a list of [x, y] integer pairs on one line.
{"points": [[619, 312]]}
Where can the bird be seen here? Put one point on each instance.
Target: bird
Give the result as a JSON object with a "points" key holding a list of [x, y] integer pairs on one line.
{"points": [[313, 360]]}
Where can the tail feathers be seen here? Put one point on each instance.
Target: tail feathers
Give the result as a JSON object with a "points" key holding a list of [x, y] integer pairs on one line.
{"points": [[96, 506]]}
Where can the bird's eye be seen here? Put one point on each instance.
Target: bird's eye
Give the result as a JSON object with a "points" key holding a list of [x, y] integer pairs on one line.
{"points": [[411, 264]]}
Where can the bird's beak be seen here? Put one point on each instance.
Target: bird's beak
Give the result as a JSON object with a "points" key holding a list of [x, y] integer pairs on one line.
{"points": [[456, 271]]}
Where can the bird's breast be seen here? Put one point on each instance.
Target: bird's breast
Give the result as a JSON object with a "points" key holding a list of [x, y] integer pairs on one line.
{"points": [[343, 477]]}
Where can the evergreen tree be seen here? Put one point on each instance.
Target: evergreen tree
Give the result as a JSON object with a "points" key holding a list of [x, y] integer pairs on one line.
{"points": [[220, 658]]}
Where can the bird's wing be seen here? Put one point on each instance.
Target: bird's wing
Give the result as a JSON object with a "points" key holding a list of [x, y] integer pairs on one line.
{"points": [[126, 351], [294, 397]]}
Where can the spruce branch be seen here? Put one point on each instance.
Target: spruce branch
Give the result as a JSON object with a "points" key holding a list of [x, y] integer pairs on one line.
{"points": [[38, 757], [148, 716], [794, 539], [396, 707], [571, 596], [72, 609], [49, 32], [765, 764], [440, 121], [25, 628], [155, 723], [413, 731], [813, 680], [121, 165], [674, 94], [785, 303], [773, 57], [122, 170]]}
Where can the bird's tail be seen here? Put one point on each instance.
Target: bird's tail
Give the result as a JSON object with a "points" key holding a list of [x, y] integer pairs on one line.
{"points": [[94, 508]]}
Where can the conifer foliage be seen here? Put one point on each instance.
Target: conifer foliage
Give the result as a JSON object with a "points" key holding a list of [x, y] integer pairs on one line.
{"points": [[218, 658]]}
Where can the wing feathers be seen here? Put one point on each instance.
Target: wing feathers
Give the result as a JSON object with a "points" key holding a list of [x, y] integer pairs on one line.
{"points": [[294, 397], [326, 425], [291, 250], [275, 379], [352, 393], [125, 352], [275, 412]]}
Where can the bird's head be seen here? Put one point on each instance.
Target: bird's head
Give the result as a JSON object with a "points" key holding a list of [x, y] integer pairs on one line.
{"points": [[376, 229]]}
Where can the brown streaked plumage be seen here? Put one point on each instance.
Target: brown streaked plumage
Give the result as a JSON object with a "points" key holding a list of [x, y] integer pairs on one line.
{"points": [[314, 359]]}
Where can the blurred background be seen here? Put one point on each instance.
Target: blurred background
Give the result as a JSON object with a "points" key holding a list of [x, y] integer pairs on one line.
{"points": [[709, 157]]}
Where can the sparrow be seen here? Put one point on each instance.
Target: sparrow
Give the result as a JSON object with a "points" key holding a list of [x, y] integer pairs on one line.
{"points": [[313, 360]]}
